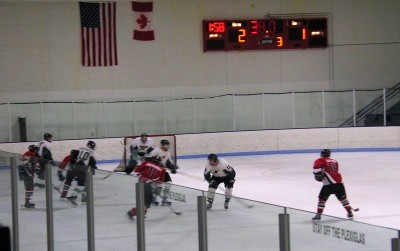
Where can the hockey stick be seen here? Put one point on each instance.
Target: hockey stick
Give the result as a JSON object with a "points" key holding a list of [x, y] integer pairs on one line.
{"points": [[68, 198], [240, 201], [172, 209], [103, 178]]}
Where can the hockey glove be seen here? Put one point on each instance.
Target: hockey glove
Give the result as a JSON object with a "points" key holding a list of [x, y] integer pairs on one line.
{"points": [[173, 171], [319, 176], [60, 176], [207, 177]]}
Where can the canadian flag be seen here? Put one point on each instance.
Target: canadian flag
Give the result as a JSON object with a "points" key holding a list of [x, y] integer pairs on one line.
{"points": [[143, 17]]}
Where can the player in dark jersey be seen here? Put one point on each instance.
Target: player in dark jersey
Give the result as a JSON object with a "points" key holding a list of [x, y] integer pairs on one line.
{"points": [[80, 160], [27, 171], [326, 170]]}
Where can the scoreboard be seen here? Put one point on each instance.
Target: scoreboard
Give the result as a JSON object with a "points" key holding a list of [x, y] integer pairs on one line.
{"points": [[272, 34]]}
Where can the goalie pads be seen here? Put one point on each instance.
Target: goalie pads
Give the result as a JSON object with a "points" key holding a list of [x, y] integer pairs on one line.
{"points": [[319, 176]]}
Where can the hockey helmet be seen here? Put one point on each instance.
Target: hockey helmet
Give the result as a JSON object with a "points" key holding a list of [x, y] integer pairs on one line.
{"points": [[164, 142], [33, 148], [156, 159], [212, 157], [325, 153], [47, 136], [91, 144]]}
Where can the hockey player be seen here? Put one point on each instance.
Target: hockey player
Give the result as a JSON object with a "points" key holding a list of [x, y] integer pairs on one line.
{"points": [[65, 165], [138, 148], [27, 171], [45, 156], [326, 170], [150, 172], [217, 171], [84, 158], [167, 162]]}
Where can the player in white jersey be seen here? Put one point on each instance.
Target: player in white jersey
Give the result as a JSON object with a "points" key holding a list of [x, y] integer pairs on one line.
{"points": [[217, 171], [84, 158], [167, 162], [138, 148], [45, 156]]}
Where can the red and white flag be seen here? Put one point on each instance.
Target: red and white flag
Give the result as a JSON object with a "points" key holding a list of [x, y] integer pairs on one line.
{"points": [[98, 34], [143, 18]]}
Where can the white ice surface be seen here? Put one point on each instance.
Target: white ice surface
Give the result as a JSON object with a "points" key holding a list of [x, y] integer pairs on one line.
{"points": [[371, 180]]}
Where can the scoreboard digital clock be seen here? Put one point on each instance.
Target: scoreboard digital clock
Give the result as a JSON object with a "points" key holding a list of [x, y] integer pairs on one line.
{"points": [[272, 34]]}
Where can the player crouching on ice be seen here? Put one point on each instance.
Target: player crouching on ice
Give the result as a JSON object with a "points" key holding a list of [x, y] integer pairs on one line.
{"points": [[217, 171], [153, 175]]}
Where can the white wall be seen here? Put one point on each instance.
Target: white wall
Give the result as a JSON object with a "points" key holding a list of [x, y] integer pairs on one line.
{"points": [[243, 142], [40, 49]]}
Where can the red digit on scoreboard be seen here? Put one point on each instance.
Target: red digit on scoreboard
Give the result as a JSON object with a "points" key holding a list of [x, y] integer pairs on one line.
{"points": [[217, 27], [253, 27]]}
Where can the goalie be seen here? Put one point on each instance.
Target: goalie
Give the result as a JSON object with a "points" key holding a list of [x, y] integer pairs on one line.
{"points": [[139, 148]]}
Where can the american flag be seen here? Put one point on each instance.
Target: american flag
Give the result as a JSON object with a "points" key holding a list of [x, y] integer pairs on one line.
{"points": [[98, 34]]}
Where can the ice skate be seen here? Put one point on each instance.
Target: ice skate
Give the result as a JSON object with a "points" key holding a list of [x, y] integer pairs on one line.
{"points": [[316, 217], [29, 204], [350, 215], [130, 215], [155, 202], [226, 204], [165, 202]]}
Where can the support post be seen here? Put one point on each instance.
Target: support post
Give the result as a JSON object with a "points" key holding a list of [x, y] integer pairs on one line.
{"points": [[141, 242], [90, 209], [284, 232], [49, 207], [202, 222], [14, 200]]}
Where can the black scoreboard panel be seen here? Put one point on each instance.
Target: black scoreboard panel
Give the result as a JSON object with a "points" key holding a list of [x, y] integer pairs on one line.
{"points": [[272, 34]]}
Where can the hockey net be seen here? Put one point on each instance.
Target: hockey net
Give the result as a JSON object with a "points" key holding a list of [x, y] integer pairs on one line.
{"points": [[156, 138]]}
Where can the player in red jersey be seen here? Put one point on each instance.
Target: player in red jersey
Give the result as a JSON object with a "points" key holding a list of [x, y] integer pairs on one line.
{"points": [[152, 174], [26, 173], [326, 170]]}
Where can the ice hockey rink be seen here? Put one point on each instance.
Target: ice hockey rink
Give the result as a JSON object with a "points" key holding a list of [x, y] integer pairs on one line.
{"points": [[371, 181]]}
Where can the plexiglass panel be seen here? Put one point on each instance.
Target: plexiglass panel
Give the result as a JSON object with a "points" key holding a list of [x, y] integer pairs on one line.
{"points": [[336, 233], [149, 117], [248, 112], [369, 107], [4, 125], [308, 110], [213, 114], [119, 118], [278, 110], [338, 108], [32, 113], [89, 120], [179, 116], [58, 120]]}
